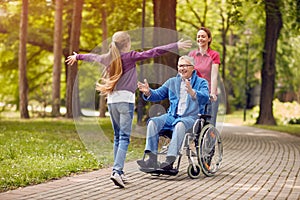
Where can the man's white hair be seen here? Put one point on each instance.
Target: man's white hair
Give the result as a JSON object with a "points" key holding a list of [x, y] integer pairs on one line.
{"points": [[188, 58]]}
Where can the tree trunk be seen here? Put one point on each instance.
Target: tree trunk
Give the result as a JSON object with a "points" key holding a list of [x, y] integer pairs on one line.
{"points": [[57, 51], [140, 101], [165, 20], [268, 72], [23, 83], [72, 103], [102, 99], [166, 33]]}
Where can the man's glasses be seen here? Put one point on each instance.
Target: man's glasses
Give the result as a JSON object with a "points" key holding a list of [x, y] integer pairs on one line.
{"points": [[185, 65]]}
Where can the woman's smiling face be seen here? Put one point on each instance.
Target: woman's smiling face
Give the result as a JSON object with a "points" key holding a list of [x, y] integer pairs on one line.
{"points": [[203, 39]]}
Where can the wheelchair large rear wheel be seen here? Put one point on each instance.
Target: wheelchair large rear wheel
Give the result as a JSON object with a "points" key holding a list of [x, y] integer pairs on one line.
{"points": [[210, 150]]}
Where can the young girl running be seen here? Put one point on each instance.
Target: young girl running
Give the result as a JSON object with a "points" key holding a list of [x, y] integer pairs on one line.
{"points": [[119, 82]]}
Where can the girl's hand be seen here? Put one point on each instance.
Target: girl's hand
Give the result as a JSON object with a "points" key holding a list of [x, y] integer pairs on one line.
{"points": [[71, 59], [98, 87], [184, 44]]}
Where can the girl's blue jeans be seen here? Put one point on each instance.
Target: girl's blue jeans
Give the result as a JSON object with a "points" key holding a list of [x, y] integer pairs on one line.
{"points": [[121, 116]]}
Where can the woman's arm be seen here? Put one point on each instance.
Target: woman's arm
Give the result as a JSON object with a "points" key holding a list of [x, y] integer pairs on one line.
{"points": [[214, 81]]}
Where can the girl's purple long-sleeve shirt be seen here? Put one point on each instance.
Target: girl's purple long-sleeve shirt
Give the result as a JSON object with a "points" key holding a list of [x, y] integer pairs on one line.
{"points": [[128, 80]]}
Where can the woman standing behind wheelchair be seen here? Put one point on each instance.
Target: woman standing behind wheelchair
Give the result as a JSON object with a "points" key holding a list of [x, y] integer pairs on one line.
{"points": [[188, 95], [207, 63]]}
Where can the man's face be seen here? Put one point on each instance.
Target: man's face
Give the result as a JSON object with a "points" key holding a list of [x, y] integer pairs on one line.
{"points": [[185, 69]]}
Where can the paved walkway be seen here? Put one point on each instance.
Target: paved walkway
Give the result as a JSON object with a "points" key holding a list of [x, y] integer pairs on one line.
{"points": [[257, 164]]}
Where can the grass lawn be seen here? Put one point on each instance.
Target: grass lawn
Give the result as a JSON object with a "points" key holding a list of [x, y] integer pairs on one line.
{"points": [[37, 150], [237, 117], [291, 129], [34, 151]]}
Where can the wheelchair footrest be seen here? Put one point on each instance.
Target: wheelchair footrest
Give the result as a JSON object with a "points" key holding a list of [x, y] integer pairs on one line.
{"points": [[172, 172]]}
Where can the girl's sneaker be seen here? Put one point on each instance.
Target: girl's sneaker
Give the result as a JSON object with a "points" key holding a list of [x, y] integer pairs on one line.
{"points": [[124, 178], [116, 178]]}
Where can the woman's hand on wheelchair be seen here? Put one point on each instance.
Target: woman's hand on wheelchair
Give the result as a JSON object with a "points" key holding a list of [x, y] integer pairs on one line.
{"points": [[213, 97]]}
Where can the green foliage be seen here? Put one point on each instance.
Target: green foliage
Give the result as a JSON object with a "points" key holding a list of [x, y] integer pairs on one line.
{"points": [[291, 129], [239, 15], [88, 75], [287, 59], [283, 113], [294, 121]]}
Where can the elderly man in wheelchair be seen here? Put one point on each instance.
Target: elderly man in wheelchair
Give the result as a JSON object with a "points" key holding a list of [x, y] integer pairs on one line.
{"points": [[188, 95]]}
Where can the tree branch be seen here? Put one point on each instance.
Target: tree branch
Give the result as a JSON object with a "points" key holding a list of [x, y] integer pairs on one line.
{"points": [[188, 22]]}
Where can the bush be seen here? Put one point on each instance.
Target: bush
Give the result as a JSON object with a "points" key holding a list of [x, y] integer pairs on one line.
{"points": [[284, 112], [294, 121]]}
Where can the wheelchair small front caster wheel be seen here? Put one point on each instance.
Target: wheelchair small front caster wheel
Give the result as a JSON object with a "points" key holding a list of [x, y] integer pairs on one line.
{"points": [[194, 172]]}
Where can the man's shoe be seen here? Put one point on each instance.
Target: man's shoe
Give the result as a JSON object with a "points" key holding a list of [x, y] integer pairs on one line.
{"points": [[168, 164], [116, 178], [150, 163]]}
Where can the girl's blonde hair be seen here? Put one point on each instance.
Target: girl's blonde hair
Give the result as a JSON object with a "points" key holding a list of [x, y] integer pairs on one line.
{"points": [[112, 74]]}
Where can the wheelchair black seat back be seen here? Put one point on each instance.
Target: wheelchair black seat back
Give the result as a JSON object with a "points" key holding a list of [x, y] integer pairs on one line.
{"points": [[202, 145]]}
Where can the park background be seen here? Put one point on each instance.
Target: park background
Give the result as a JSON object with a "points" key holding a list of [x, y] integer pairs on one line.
{"points": [[258, 41]]}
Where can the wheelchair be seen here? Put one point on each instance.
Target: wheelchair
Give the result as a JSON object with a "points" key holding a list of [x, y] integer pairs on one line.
{"points": [[202, 145]]}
